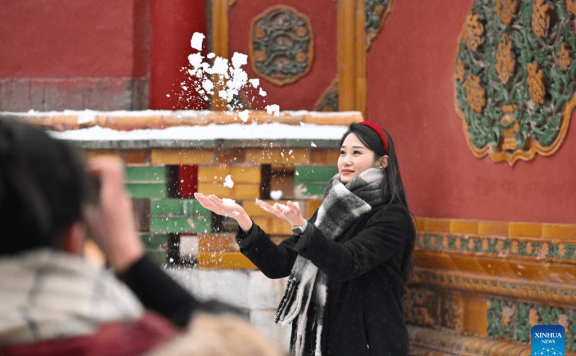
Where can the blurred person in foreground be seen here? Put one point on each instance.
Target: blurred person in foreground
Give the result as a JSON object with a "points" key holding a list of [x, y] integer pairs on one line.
{"points": [[55, 302]]}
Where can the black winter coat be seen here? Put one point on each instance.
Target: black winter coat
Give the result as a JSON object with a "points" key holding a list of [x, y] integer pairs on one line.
{"points": [[364, 313]]}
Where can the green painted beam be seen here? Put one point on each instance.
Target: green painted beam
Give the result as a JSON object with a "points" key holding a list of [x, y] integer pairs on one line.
{"points": [[146, 174], [193, 207], [166, 207], [180, 224], [314, 173], [312, 189], [153, 241], [159, 256], [146, 190]]}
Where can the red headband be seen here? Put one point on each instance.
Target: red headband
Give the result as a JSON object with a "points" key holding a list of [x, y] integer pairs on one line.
{"points": [[376, 128]]}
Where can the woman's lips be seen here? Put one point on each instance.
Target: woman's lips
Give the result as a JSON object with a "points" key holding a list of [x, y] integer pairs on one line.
{"points": [[347, 171]]}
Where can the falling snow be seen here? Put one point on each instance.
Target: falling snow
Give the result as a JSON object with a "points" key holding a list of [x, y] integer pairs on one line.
{"points": [[228, 182], [230, 79], [196, 41], [276, 194]]}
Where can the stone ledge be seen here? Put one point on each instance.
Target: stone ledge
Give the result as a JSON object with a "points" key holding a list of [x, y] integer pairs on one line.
{"points": [[555, 294], [498, 228], [430, 342], [249, 290]]}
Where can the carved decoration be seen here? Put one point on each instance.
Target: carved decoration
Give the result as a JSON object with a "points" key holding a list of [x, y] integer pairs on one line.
{"points": [[421, 306], [490, 246], [507, 319], [515, 77], [551, 293], [377, 11], [281, 45], [513, 320], [329, 100]]}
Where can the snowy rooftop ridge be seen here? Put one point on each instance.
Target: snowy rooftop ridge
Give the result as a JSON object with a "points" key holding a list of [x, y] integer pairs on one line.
{"points": [[189, 125]]}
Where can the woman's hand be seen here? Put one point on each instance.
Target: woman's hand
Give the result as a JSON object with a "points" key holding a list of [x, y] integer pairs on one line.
{"points": [[289, 212], [226, 207], [111, 223]]}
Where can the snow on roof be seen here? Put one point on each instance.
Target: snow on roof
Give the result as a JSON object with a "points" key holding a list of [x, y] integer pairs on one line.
{"points": [[273, 131], [188, 125]]}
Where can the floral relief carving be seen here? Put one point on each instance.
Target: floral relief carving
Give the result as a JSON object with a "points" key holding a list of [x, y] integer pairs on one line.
{"points": [[514, 247], [458, 244], [376, 12], [564, 321], [544, 249], [459, 70], [473, 31], [540, 18], [561, 250], [475, 93], [506, 10], [564, 58], [529, 248], [513, 320], [506, 62], [507, 314], [533, 317], [536, 83], [516, 54]]}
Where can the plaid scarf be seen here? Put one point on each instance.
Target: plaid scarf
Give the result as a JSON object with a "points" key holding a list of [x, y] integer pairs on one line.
{"points": [[341, 207], [46, 294]]}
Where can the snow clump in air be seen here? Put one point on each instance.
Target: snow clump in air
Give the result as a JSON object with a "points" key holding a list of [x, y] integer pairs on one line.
{"points": [[226, 77], [276, 194], [228, 182]]}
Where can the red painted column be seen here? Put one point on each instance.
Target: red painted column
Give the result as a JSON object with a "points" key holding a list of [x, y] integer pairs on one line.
{"points": [[173, 23]]}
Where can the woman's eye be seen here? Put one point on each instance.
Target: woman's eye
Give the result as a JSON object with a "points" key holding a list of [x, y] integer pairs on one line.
{"points": [[357, 152], [341, 152]]}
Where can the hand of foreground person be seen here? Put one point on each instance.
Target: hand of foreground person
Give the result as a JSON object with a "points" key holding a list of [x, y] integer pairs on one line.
{"points": [[226, 207], [111, 223], [289, 212]]}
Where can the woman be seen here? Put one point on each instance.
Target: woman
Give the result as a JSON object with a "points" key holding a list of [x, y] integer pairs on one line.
{"points": [[348, 263]]}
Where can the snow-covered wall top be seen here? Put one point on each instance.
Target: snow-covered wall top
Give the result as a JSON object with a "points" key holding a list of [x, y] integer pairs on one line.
{"points": [[189, 125]]}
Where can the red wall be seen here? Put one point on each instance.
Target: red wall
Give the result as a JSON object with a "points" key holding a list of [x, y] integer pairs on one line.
{"points": [[304, 93], [411, 91], [173, 23], [63, 38], [62, 54]]}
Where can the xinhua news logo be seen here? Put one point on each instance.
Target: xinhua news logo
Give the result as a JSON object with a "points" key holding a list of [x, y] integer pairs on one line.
{"points": [[548, 340]]}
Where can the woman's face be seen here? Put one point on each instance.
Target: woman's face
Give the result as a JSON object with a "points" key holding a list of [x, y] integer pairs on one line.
{"points": [[355, 158]]}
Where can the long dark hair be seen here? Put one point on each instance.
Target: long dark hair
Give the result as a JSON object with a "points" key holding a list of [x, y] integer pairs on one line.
{"points": [[391, 187], [43, 186]]}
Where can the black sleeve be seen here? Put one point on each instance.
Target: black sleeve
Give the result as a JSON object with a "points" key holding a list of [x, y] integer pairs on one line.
{"points": [[275, 261], [158, 292]]}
